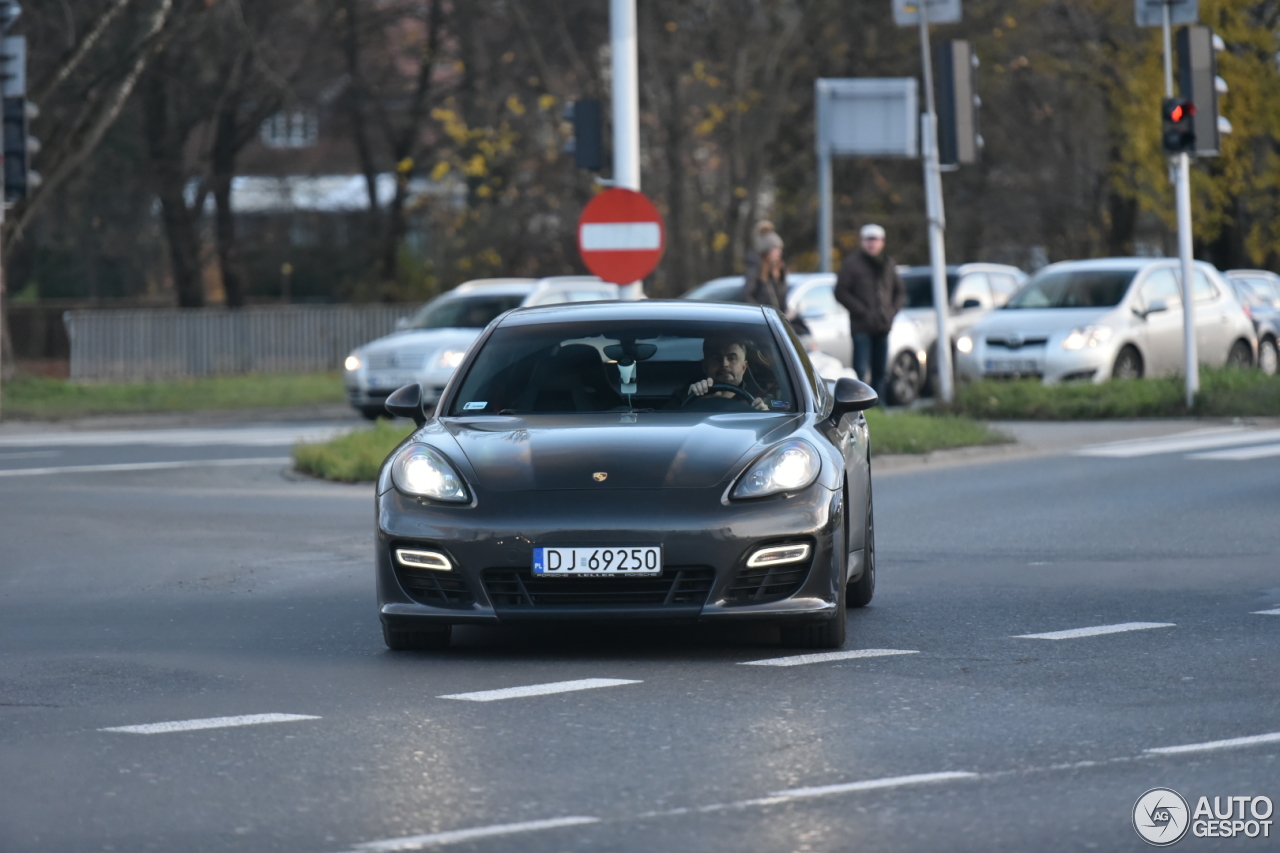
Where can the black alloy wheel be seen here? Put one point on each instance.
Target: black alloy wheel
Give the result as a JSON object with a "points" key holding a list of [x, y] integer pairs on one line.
{"points": [[859, 592], [904, 380], [1128, 365], [417, 641], [1241, 356], [1268, 358]]}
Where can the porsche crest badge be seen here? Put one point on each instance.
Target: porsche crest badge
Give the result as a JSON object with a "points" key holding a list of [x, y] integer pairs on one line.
{"points": [[600, 476]]}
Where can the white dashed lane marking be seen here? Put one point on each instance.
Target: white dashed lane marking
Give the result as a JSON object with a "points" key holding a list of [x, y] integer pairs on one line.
{"points": [[146, 466], [1232, 743], [1193, 441], [539, 689], [210, 723], [1095, 631], [437, 839], [1241, 454], [1275, 612], [823, 657]]}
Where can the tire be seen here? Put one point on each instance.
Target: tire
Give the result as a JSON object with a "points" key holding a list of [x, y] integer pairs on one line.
{"points": [[858, 593], [372, 413], [823, 635], [1268, 358], [417, 641], [1241, 356], [1128, 364], [904, 380]]}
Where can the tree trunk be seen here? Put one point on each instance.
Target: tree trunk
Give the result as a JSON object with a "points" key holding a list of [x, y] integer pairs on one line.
{"points": [[223, 170], [165, 145]]}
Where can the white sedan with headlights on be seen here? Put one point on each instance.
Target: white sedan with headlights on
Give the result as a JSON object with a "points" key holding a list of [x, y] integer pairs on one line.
{"points": [[1110, 318], [429, 345]]}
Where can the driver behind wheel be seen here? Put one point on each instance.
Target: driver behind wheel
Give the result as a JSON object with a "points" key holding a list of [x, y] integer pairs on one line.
{"points": [[725, 363]]}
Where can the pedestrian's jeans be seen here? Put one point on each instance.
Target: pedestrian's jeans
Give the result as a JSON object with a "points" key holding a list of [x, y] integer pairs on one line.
{"points": [[870, 359]]}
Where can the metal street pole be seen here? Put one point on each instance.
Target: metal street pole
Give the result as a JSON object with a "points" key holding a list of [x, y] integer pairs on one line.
{"points": [[626, 106], [937, 217], [1181, 175]]}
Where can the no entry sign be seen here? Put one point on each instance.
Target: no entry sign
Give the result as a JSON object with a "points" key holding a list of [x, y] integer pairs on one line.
{"points": [[620, 236]]}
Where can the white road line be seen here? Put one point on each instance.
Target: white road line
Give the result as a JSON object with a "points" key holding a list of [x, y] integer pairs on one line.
{"points": [[1182, 442], [1241, 454], [539, 689], [145, 466], [1095, 631], [1275, 612], [823, 657], [31, 454], [435, 839], [267, 436], [1273, 737], [210, 723], [874, 784]]}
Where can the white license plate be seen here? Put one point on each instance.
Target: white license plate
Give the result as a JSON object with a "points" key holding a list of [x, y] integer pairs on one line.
{"points": [[1012, 365], [382, 381], [564, 562]]}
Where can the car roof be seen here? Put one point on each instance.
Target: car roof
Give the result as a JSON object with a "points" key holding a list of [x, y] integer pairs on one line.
{"points": [[957, 269], [645, 309], [559, 280], [1251, 274], [510, 285]]}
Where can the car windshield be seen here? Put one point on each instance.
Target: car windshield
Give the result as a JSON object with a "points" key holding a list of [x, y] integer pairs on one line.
{"points": [[634, 365], [463, 312], [920, 288], [1073, 289]]}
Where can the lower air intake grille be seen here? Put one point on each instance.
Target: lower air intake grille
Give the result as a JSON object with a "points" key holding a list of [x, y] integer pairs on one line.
{"points": [[517, 588], [766, 583], [431, 586]]}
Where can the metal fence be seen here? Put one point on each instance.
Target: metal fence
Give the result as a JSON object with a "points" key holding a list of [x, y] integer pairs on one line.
{"points": [[174, 343]]}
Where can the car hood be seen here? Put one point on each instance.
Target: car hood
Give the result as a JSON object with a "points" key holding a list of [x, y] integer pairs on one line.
{"points": [[655, 451], [423, 341], [1038, 322]]}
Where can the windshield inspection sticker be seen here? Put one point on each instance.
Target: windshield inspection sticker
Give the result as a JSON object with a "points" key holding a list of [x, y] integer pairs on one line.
{"points": [[471, 407], [781, 404]]}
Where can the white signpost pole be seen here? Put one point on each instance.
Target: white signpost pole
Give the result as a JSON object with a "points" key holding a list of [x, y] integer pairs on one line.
{"points": [[1182, 192], [626, 107], [936, 215]]}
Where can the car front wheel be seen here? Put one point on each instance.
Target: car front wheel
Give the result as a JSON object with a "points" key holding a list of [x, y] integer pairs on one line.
{"points": [[904, 380], [1128, 365], [860, 591], [1267, 357]]}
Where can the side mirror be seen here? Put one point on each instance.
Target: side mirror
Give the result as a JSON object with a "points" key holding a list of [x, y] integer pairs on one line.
{"points": [[970, 303], [406, 402], [851, 395], [1154, 308]]}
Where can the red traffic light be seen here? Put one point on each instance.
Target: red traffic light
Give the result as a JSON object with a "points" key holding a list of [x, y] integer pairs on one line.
{"points": [[1176, 115]]}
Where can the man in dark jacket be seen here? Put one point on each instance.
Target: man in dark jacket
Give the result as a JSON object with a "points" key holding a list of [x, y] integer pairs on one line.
{"points": [[869, 287]]}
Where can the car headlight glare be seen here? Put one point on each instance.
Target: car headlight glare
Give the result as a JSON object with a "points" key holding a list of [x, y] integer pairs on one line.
{"points": [[790, 466], [965, 344], [422, 470], [450, 358], [1087, 336], [352, 363]]}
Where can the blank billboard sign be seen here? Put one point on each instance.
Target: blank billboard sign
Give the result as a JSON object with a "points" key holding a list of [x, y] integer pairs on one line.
{"points": [[870, 117]]}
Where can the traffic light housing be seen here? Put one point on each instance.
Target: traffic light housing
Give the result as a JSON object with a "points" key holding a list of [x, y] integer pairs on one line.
{"points": [[588, 134], [1200, 84], [959, 141], [1178, 130]]}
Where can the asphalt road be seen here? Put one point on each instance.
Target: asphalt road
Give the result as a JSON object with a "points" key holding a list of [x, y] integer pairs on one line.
{"points": [[216, 587]]}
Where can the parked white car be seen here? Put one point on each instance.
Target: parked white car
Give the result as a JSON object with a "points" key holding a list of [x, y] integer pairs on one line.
{"points": [[811, 297], [1107, 318], [430, 344]]}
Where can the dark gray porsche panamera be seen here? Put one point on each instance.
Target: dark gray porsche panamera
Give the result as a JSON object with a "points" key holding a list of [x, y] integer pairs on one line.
{"points": [[629, 460]]}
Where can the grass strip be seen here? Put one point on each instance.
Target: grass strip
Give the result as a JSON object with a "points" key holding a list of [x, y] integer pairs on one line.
{"points": [[38, 398], [1223, 393], [918, 432], [357, 456], [354, 457]]}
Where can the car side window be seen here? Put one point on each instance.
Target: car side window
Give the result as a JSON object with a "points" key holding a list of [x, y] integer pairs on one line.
{"points": [[819, 302], [973, 287], [1002, 287], [551, 297], [1161, 286], [591, 295], [1205, 289]]}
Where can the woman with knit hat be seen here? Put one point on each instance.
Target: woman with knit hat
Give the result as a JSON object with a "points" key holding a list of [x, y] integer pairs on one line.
{"points": [[766, 282]]}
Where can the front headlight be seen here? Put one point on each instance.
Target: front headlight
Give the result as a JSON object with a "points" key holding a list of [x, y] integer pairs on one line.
{"points": [[1087, 336], [352, 363], [450, 358], [788, 467], [422, 470], [964, 344]]}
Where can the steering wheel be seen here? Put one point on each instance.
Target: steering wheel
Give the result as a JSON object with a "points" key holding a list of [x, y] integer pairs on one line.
{"points": [[721, 386]]}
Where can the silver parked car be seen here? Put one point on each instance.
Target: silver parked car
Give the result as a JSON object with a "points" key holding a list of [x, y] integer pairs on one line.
{"points": [[429, 345], [1107, 318], [811, 297], [974, 291]]}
